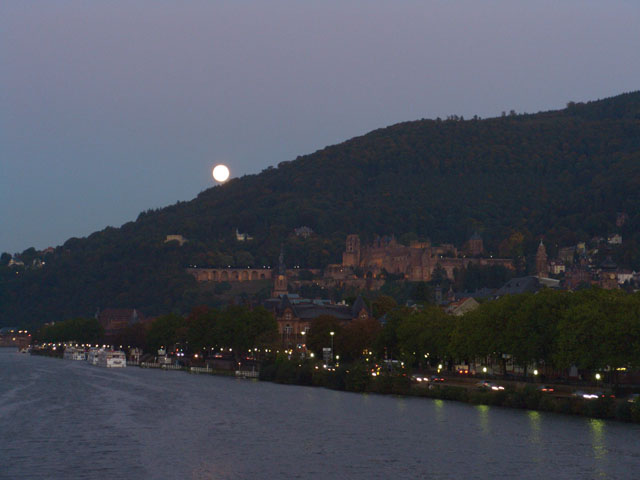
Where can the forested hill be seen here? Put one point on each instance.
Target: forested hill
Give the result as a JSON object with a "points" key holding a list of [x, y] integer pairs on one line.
{"points": [[562, 174]]}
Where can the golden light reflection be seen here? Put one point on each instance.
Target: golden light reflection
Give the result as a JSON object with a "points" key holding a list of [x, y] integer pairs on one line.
{"points": [[483, 418], [597, 438], [534, 422], [439, 408]]}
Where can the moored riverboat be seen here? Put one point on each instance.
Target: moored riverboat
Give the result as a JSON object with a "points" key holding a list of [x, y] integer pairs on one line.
{"points": [[112, 359], [73, 353], [92, 356]]}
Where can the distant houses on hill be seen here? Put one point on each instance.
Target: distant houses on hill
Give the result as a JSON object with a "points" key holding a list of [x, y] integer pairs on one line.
{"points": [[368, 267]]}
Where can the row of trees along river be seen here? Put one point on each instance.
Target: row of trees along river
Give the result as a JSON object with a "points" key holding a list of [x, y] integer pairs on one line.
{"points": [[593, 329]]}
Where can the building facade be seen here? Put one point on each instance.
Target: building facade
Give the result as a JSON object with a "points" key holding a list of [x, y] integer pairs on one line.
{"points": [[416, 262]]}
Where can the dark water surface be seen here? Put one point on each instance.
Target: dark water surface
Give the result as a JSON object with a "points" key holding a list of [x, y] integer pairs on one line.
{"points": [[70, 420]]}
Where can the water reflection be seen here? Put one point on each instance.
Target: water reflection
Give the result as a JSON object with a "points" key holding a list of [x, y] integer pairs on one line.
{"points": [[483, 418], [535, 436], [598, 438], [439, 409], [534, 423]]}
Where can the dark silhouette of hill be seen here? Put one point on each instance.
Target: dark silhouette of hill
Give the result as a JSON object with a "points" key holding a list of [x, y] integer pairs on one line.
{"points": [[560, 174]]}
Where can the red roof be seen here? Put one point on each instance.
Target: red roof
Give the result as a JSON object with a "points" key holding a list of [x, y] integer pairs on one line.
{"points": [[118, 318]]}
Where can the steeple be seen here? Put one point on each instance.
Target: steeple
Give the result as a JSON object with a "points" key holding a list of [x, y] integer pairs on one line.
{"points": [[282, 268], [542, 267], [280, 281]]}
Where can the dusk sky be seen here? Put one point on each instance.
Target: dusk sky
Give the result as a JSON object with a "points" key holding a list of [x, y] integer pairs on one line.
{"points": [[110, 108]]}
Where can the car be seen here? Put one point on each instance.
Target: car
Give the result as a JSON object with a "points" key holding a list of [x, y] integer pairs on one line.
{"points": [[436, 379], [588, 395], [634, 397], [546, 389], [489, 386]]}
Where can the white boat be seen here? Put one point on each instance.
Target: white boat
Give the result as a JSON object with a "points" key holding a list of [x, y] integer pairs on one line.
{"points": [[72, 353], [92, 356], [112, 359]]}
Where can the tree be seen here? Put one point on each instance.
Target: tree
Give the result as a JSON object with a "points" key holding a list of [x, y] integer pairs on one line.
{"points": [[424, 336], [383, 304], [532, 329], [387, 342], [421, 293], [357, 337], [319, 335], [81, 330], [200, 325], [164, 331]]}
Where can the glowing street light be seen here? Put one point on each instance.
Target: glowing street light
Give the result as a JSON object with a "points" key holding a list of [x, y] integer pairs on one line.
{"points": [[332, 334]]}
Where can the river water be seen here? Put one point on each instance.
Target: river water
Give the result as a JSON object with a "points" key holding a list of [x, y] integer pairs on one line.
{"points": [[71, 420]]}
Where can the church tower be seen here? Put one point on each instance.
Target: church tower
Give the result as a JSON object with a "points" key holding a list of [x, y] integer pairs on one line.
{"points": [[542, 267], [280, 281], [351, 256], [475, 245]]}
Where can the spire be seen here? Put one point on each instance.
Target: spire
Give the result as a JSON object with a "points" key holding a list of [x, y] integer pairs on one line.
{"points": [[542, 268], [282, 268], [280, 280]]}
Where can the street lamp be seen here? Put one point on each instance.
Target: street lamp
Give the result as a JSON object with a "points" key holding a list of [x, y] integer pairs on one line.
{"points": [[332, 334], [304, 345]]}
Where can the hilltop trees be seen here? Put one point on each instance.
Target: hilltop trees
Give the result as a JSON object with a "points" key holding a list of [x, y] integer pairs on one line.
{"points": [[574, 168]]}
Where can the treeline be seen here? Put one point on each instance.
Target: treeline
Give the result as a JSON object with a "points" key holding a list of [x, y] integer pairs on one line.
{"points": [[205, 330], [592, 329], [80, 330]]}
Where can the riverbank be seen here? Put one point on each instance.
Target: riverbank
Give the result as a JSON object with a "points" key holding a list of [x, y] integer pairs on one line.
{"points": [[65, 419], [357, 378]]}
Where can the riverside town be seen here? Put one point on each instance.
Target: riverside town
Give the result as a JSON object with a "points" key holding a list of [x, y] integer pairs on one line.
{"points": [[543, 341]]}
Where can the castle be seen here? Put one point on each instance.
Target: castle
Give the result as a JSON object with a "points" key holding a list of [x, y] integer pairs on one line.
{"points": [[416, 262]]}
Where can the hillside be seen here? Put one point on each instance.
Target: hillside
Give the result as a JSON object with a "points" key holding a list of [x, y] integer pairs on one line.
{"points": [[561, 174]]}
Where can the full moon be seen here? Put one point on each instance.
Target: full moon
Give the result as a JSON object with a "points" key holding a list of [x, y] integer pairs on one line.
{"points": [[220, 173]]}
